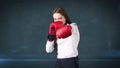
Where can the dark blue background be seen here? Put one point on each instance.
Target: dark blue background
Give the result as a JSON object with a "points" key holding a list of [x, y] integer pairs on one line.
{"points": [[24, 26]]}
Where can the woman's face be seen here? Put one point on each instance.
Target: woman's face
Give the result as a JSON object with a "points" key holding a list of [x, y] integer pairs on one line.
{"points": [[59, 17]]}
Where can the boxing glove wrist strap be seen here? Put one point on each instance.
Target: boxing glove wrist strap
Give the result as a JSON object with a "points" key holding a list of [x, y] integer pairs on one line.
{"points": [[51, 37]]}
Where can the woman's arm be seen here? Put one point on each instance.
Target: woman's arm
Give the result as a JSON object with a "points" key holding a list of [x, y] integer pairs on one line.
{"points": [[49, 46], [76, 32]]}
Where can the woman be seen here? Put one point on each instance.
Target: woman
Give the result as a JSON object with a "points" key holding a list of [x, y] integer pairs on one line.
{"points": [[63, 36]]}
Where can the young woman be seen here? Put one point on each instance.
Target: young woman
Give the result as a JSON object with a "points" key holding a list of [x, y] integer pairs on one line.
{"points": [[63, 36]]}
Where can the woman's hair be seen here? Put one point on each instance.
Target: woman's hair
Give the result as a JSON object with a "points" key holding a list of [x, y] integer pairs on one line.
{"points": [[64, 13]]}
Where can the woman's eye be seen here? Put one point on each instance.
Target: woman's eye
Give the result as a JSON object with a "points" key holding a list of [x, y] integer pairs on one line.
{"points": [[60, 18], [54, 19]]}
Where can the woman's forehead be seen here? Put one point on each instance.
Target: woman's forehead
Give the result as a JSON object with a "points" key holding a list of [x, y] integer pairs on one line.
{"points": [[57, 15]]}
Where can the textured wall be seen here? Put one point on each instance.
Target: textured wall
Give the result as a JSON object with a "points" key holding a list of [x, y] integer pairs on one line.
{"points": [[24, 26]]}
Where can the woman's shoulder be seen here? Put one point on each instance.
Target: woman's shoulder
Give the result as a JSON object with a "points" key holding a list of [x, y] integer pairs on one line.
{"points": [[73, 24]]}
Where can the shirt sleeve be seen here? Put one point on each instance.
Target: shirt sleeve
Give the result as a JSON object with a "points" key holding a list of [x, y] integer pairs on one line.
{"points": [[76, 31], [49, 46]]}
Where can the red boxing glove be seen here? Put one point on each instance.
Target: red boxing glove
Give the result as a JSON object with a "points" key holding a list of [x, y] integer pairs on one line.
{"points": [[51, 33], [64, 32], [52, 29], [57, 25], [54, 26]]}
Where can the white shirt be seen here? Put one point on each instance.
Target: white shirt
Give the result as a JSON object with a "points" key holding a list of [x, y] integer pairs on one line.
{"points": [[67, 47]]}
